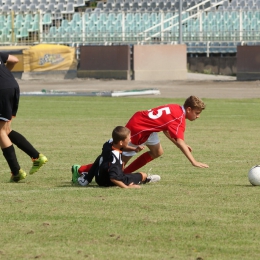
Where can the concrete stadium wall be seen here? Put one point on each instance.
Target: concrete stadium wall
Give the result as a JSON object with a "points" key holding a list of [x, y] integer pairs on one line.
{"points": [[104, 62], [248, 62], [213, 65], [159, 62]]}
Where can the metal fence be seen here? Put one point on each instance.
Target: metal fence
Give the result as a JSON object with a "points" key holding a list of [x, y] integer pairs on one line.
{"points": [[202, 31]]}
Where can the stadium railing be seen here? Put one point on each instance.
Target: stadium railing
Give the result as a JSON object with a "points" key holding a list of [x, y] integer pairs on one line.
{"points": [[203, 31]]}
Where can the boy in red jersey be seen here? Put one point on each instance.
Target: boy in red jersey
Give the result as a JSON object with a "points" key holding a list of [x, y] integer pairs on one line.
{"points": [[169, 119]]}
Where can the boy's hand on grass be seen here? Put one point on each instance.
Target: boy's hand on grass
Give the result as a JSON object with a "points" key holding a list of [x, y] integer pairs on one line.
{"points": [[200, 165], [132, 185]]}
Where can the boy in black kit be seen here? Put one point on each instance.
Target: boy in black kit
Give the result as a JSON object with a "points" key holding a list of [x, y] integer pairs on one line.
{"points": [[9, 101], [108, 167]]}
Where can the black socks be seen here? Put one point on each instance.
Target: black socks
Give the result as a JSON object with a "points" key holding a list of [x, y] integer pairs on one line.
{"points": [[10, 156], [23, 144]]}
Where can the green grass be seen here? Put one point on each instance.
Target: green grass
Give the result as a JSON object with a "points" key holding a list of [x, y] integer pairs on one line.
{"points": [[191, 214]]}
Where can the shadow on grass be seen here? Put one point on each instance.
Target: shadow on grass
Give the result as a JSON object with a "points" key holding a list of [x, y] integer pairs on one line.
{"points": [[69, 184], [247, 186]]}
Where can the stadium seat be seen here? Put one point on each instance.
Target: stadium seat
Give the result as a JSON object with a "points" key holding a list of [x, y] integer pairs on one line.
{"points": [[61, 7], [100, 5], [44, 2], [64, 23], [5, 8], [126, 6], [50, 7], [161, 5], [144, 5], [22, 33], [108, 6], [64, 2], [32, 8], [36, 2], [117, 6], [42, 7], [79, 3], [35, 27], [9, 3], [57, 15], [50, 36], [17, 2], [69, 8], [15, 8], [5, 34], [121, 2], [47, 19], [110, 1]]}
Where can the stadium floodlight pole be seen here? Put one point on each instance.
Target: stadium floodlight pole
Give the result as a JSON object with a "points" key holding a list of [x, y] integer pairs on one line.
{"points": [[180, 21]]}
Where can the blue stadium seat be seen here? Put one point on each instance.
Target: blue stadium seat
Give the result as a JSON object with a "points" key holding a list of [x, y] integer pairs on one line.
{"points": [[47, 19], [5, 34], [22, 33], [35, 27]]}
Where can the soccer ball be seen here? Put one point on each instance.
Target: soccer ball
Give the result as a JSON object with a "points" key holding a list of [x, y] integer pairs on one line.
{"points": [[82, 181], [254, 175]]}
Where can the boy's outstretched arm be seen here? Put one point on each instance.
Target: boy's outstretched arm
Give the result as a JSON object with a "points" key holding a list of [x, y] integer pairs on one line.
{"points": [[186, 149], [135, 149], [122, 185]]}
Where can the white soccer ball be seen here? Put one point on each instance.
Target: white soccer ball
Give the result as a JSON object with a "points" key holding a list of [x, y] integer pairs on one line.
{"points": [[254, 175], [82, 181]]}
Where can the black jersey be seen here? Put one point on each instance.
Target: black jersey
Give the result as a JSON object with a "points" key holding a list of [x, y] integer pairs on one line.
{"points": [[7, 79], [110, 165]]}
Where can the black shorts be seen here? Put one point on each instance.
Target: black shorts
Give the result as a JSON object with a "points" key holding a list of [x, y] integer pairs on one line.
{"points": [[135, 178], [9, 101]]}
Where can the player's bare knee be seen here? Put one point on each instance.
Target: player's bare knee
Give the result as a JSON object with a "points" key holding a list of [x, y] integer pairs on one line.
{"points": [[156, 154]]}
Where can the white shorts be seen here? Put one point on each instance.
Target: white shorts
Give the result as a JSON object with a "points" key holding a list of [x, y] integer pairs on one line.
{"points": [[153, 139]]}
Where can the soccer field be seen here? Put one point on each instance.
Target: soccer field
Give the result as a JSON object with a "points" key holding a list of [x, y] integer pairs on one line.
{"points": [[190, 214]]}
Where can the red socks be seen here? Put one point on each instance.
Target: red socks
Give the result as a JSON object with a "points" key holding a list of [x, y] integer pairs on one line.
{"points": [[138, 163], [85, 168]]}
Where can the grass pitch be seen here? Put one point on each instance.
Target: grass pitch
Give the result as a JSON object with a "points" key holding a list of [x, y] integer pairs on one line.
{"points": [[190, 214]]}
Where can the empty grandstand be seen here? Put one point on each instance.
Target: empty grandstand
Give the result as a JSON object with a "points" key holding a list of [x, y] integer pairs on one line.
{"points": [[208, 26]]}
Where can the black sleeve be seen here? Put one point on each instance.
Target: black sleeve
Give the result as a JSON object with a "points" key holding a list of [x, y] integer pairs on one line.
{"points": [[4, 56]]}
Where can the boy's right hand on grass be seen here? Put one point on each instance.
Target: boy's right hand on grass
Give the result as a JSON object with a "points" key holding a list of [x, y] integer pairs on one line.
{"points": [[132, 185]]}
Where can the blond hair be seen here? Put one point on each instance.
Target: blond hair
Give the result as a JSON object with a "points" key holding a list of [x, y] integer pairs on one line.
{"points": [[194, 103]]}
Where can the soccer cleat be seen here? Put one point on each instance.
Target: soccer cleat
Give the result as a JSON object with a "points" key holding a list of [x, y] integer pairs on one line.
{"points": [[153, 178], [75, 173], [82, 181], [38, 163], [20, 176]]}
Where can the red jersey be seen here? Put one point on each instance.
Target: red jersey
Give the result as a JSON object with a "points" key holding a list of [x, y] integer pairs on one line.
{"points": [[169, 117]]}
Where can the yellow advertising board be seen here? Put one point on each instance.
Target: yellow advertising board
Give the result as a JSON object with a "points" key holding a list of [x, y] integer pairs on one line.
{"points": [[49, 57]]}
